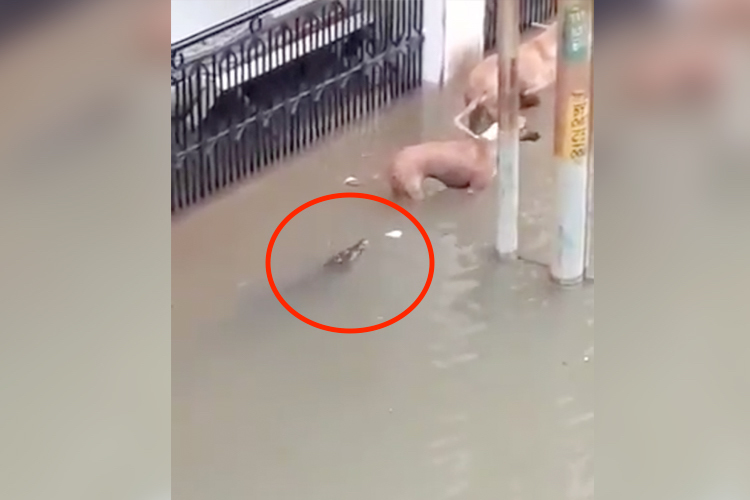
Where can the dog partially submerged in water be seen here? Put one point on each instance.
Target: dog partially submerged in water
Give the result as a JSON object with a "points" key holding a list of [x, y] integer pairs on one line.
{"points": [[468, 163], [537, 69]]}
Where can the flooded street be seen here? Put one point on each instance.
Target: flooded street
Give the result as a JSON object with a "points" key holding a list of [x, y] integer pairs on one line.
{"points": [[485, 391]]}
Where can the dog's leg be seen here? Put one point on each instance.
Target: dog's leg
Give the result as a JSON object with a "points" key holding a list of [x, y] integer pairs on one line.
{"points": [[529, 100], [413, 188], [529, 135], [416, 194]]}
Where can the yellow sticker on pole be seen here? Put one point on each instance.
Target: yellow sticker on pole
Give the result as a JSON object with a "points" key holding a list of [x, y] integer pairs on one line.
{"points": [[576, 139]]}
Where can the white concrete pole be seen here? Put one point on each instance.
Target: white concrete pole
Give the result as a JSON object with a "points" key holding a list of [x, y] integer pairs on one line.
{"points": [[508, 38], [572, 140]]}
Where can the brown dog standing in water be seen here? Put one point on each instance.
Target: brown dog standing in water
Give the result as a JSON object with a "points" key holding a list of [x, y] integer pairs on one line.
{"points": [[537, 69], [468, 163], [462, 164]]}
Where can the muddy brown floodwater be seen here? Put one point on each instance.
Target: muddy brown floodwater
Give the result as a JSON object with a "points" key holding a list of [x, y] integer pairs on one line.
{"points": [[485, 388]]}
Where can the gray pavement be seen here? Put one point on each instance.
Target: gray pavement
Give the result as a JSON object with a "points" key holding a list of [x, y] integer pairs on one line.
{"points": [[485, 391]]}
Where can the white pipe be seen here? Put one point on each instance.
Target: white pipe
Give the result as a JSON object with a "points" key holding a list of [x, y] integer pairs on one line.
{"points": [[572, 141], [508, 146], [588, 271]]}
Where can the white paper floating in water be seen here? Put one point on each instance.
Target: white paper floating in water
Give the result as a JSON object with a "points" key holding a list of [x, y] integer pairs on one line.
{"points": [[352, 181], [395, 234]]}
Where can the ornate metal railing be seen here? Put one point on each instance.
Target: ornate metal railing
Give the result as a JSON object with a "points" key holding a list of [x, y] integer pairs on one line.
{"points": [[270, 82], [531, 11]]}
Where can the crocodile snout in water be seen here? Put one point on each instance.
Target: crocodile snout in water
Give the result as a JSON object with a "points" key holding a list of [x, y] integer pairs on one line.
{"points": [[306, 283], [348, 255]]}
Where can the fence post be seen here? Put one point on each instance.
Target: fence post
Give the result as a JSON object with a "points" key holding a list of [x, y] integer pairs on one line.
{"points": [[508, 36], [572, 140]]}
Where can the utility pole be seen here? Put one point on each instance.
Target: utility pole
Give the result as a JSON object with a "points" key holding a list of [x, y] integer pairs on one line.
{"points": [[508, 36], [573, 152]]}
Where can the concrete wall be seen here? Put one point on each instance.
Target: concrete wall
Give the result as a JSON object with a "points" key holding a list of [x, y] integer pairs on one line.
{"points": [[191, 16], [452, 27]]}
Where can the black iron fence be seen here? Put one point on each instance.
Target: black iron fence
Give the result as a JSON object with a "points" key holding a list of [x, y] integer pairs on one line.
{"points": [[270, 82], [531, 11]]}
